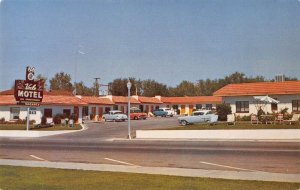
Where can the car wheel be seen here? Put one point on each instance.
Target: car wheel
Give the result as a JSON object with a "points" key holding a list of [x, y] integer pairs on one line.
{"points": [[144, 118], [171, 115], [104, 119], [135, 118], [184, 123]]}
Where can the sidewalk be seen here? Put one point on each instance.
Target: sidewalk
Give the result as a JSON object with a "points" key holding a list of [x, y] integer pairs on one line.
{"points": [[235, 175]]}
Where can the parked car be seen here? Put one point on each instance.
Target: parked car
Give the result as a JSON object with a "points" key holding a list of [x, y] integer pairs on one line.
{"points": [[114, 115], [136, 114], [202, 116], [160, 112], [170, 112]]}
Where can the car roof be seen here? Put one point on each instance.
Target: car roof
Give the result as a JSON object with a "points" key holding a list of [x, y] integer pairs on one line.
{"points": [[202, 111]]}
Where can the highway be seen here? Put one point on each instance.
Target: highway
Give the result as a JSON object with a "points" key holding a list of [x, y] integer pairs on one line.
{"points": [[106, 143]]}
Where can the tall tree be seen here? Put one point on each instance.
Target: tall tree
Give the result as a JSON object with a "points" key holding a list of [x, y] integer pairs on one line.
{"points": [[61, 81], [83, 90], [185, 88], [152, 88], [119, 87], [41, 77]]}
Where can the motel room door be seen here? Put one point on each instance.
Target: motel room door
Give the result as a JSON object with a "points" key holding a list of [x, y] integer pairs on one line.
{"points": [[76, 112], [191, 109], [182, 110], [100, 112]]}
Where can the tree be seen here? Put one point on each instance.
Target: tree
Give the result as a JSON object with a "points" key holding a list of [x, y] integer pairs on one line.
{"points": [[119, 87], [61, 81], [152, 88], [185, 88], [41, 77], [83, 90]]}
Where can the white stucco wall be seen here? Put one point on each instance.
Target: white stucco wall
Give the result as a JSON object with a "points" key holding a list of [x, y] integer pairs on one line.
{"points": [[5, 112], [285, 101]]}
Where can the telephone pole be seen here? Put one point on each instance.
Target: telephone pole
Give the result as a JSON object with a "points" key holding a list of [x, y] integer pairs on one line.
{"points": [[97, 86]]}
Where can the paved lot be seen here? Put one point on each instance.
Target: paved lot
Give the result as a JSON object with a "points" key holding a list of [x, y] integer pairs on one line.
{"points": [[110, 130], [95, 145]]}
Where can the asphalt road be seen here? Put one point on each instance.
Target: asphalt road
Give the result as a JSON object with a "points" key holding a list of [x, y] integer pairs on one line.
{"points": [[105, 143]]}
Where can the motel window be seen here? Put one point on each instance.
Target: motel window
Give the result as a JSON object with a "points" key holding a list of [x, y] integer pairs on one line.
{"points": [[85, 111], [296, 105], [47, 112], [116, 107], [14, 113], [107, 109], [274, 106], [242, 106], [141, 107], [208, 106], [198, 106], [67, 112]]}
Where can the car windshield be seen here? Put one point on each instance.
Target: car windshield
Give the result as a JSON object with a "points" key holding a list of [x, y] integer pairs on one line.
{"points": [[199, 113], [135, 110]]}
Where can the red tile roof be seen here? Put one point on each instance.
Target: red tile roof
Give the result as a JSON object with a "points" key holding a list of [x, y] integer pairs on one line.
{"points": [[63, 100], [6, 100], [97, 100], [149, 100], [260, 88], [47, 100], [124, 100], [191, 99], [52, 92]]}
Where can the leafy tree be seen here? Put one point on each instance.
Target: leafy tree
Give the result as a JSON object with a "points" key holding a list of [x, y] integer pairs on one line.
{"points": [[61, 81], [119, 87], [185, 88], [81, 89], [41, 77], [152, 88]]}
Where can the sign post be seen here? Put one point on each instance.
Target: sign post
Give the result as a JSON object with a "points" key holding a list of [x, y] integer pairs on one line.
{"points": [[29, 92]]}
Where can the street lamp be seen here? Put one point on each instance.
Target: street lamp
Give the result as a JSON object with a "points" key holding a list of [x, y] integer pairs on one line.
{"points": [[128, 87]]}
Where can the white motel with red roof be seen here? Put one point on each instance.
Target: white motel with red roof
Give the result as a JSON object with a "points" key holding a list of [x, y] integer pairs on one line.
{"points": [[238, 96]]}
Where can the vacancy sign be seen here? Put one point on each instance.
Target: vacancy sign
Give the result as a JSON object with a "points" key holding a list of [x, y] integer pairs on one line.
{"points": [[29, 92]]}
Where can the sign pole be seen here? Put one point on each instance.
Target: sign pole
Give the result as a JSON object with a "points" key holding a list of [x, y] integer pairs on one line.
{"points": [[27, 126]]}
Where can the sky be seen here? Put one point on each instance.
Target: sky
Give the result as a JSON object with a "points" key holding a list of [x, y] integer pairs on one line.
{"points": [[164, 40]]}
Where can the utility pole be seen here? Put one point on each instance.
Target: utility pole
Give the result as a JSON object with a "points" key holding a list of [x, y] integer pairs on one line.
{"points": [[96, 86]]}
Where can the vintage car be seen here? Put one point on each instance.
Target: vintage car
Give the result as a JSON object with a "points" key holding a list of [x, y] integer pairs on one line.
{"points": [[114, 115], [136, 114], [170, 112], [201, 116], [160, 112]]}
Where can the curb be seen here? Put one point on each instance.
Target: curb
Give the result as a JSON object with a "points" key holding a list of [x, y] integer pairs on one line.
{"points": [[35, 134]]}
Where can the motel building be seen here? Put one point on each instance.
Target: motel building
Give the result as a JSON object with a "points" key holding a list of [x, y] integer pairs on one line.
{"points": [[56, 102], [241, 97], [91, 107], [186, 105]]}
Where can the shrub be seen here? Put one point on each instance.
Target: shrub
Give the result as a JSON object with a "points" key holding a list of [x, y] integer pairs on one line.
{"points": [[44, 120], [57, 119], [223, 110], [74, 117], [260, 112], [244, 118]]}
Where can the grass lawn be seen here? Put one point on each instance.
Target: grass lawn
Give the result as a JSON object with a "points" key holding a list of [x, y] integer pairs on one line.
{"points": [[23, 127], [19, 178], [236, 126]]}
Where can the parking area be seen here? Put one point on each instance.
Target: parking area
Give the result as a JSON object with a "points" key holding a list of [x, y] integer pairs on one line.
{"points": [[110, 129]]}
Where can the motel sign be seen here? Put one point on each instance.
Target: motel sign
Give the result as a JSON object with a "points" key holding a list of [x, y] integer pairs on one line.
{"points": [[29, 92]]}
